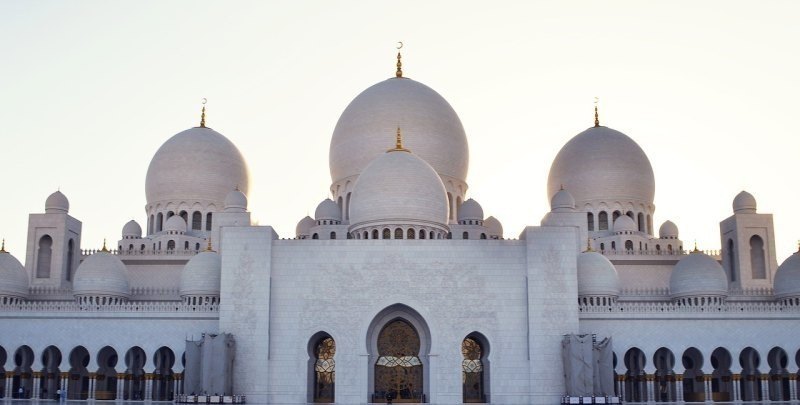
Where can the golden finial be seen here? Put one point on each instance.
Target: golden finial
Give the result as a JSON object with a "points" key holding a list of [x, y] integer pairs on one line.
{"points": [[696, 250], [399, 72], [208, 247], [203, 114], [3, 247], [596, 116], [589, 244], [105, 249], [398, 145]]}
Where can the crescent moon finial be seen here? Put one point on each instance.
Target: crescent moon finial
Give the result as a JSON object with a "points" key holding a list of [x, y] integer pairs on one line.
{"points": [[203, 114], [399, 72], [204, 101], [399, 45], [596, 116]]}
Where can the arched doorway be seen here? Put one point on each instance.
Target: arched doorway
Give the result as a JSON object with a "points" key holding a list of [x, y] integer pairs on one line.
{"points": [[163, 377], [22, 381], [134, 374], [398, 342], [51, 374], [475, 368], [664, 379], [721, 377], [693, 377], [635, 377], [106, 376], [78, 385], [750, 385], [322, 368], [778, 360]]}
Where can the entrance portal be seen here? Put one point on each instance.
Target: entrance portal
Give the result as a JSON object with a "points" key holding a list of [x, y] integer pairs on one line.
{"points": [[398, 371]]}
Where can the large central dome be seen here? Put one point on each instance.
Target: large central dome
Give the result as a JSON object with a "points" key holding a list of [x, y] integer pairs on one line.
{"points": [[198, 164], [431, 129], [601, 164]]}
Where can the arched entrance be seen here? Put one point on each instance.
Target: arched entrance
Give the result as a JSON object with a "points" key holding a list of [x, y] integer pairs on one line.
{"points": [[22, 381], [693, 377], [721, 377], [163, 377], [664, 378], [134, 374], [78, 385], [398, 341], [322, 368], [635, 377], [750, 385], [779, 383], [475, 368], [51, 374], [106, 376]]}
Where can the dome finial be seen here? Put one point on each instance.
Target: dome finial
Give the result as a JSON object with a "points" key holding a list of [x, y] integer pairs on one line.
{"points": [[399, 72], [3, 246], [208, 247], [203, 114], [105, 249], [589, 244], [596, 116], [696, 250], [398, 145]]}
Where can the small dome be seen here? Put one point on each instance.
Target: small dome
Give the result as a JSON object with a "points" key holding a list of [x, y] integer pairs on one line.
{"points": [[201, 275], [175, 224], [562, 201], [494, 226], [431, 129], [624, 224], [744, 203], [198, 164], [787, 278], [470, 210], [13, 277], [304, 226], [102, 274], [601, 164], [132, 229], [596, 275], [697, 274], [668, 230], [328, 210], [235, 201], [399, 188], [56, 203]]}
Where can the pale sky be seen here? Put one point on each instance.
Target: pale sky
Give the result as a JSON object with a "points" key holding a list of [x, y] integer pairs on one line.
{"points": [[90, 89]]}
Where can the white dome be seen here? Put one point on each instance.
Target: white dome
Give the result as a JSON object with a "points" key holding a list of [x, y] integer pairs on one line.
{"points": [[562, 201], [13, 277], [328, 210], [304, 226], [201, 275], [787, 278], [744, 203], [668, 230], [431, 129], [56, 203], [132, 229], [624, 224], [470, 210], [494, 226], [697, 274], [102, 274], [596, 275], [175, 224], [399, 188], [602, 164], [235, 201], [198, 164]]}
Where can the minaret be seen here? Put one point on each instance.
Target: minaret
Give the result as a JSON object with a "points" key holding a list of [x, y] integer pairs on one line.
{"points": [[54, 244], [748, 245]]}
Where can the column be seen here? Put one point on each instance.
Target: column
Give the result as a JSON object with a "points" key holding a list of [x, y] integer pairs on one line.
{"points": [[120, 386], [707, 385], [792, 387], [737, 393], [9, 384], [765, 387], [148, 387], [92, 386], [679, 388], [650, 387], [621, 386], [37, 380]]}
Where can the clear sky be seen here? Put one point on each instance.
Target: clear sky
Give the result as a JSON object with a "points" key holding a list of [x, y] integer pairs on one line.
{"points": [[90, 89]]}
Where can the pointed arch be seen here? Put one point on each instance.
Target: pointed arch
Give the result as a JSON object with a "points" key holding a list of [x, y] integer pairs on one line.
{"points": [[44, 257], [321, 368], [475, 368]]}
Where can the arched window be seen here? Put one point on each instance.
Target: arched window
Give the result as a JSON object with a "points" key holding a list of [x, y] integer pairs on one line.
{"points": [[473, 377], [387, 234], [208, 221], [642, 224], [71, 257], [465, 235], [483, 236], [630, 215], [374, 234], [649, 224], [197, 221], [603, 219], [602, 247], [614, 216], [422, 234], [150, 224], [430, 236], [590, 220], [44, 257], [333, 235], [159, 222], [669, 249], [186, 245], [757, 264], [731, 260], [347, 207], [398, 233], [628, 245], [450, 204], [171, 245], [197, 247], [130, 247], [613, 245], [366, 235], [185, 216], [324, 370], [411, 234]]}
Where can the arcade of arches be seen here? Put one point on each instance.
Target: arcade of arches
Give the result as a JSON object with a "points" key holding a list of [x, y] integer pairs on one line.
{"points": [[98, 377], [691, 384]]}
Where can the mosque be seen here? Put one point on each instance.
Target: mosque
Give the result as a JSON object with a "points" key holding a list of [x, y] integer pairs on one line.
{"points": [[400, 284]]}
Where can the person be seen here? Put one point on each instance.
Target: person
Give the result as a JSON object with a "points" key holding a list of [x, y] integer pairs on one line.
{"points": [[58, 395], [20, 392]]}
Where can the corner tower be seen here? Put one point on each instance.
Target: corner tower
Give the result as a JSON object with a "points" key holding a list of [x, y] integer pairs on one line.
{"points": [[748, 245], [54, 244]]}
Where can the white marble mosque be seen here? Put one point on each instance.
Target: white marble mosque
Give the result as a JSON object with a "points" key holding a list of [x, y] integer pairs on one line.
{"points": [[400, 282]]}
